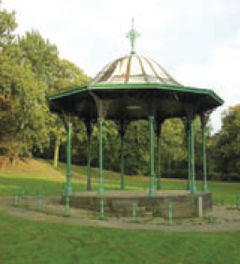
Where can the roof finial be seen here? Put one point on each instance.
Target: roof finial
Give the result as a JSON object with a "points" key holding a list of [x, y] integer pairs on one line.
{"points": [[133, 35]]}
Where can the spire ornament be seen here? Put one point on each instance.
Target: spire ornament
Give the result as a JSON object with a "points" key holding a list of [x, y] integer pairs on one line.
{"points": [[133, 35]]}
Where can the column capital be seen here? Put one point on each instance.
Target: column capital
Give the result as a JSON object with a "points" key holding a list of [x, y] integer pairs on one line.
{"points": [[191, 118], [158, 126], [89, 126], [122, 126], [101, 120], [204, 117]]}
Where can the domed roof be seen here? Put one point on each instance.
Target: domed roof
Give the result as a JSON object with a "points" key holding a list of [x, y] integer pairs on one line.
{"points": [[155, 92], [133, 69]]}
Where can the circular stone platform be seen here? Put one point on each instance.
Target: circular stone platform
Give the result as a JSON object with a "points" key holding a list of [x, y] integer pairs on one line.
{"points": [[119, 203]]}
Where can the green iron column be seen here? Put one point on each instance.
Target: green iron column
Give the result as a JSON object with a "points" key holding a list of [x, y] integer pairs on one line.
{"points": [[101, 183], [189, 156], [158, 132], [122, 127], [69, 185], [151, 129], [204, 160], [89, 175], [89, 147], [192, 156], [122, 163]]}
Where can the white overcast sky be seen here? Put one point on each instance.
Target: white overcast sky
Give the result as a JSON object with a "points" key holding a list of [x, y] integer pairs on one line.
{"points": [[197, 41]]}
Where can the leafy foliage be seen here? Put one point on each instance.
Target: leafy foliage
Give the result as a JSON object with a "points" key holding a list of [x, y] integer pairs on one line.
{"points": [[29, 69], [228, 145], [25, 119], [40, 55], [7, 26], [68, 75]]}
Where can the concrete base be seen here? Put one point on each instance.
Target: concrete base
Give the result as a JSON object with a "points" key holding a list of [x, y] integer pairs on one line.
{"points": [[119, 203]]}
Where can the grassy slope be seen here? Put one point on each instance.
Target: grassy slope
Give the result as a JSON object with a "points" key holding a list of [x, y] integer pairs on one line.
{"points": [[36, 175], [23, 241], [223, 192]]}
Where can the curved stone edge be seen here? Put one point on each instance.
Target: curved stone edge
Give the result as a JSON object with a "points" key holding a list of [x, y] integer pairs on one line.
{"points": [[42, 217]]}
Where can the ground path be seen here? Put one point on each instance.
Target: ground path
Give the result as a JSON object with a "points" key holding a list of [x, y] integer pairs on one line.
{"points": [[226, 218]]}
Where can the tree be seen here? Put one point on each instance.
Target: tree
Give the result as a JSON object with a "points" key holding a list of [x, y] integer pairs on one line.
{"points": [[42, 58], [23, 99], [68, 75], [57, 130], [228, 145], [7, 26], [137, 148], [173, 148], [24, 123], [41, 55]]}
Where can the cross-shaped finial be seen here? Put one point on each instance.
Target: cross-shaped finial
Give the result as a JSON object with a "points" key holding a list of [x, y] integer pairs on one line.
{"points": [[133, 35]]}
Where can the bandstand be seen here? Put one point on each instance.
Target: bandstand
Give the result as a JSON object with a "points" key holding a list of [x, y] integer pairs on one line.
{"points": [[132, 88]]}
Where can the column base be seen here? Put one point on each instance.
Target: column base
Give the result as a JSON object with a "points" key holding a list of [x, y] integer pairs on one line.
{"points": [[193, 189], [89, 185], [159, 185], [151, 193], [189, 187], [205, 187], [68, 188], [69, 191], [101, 192], [122, 187]]}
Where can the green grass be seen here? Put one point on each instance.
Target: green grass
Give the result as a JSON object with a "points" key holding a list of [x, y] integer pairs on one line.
{"points": [[25, 241]]}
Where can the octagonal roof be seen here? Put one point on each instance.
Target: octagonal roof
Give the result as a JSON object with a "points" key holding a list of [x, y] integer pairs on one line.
{"points": [[133, 69], [134, 87]]}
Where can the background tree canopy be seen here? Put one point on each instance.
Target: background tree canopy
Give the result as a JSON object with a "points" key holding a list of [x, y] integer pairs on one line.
{"points": [[30, 69]]}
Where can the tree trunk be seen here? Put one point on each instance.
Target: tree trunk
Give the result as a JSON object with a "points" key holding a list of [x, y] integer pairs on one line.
{"points": [[56, 151]]}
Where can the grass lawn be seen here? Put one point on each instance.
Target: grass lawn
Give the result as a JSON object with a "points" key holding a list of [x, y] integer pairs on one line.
{"points": [[24, 241]]}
